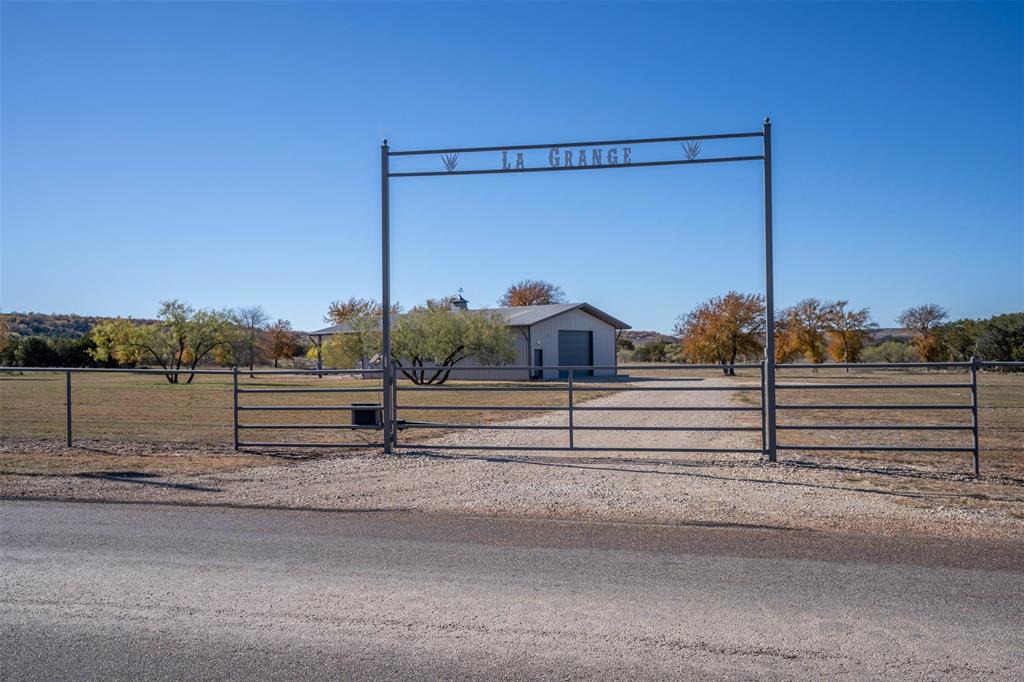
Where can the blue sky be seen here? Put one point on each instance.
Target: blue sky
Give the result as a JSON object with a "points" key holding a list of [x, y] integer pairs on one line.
{"points": [[228, 153]]}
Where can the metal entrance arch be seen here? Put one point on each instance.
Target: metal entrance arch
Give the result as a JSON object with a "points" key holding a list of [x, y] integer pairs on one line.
{"points": [[563, 157]]}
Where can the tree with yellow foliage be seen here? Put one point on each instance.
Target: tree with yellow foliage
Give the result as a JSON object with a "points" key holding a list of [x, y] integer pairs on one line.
{"points": [[804, 328], [723, 329], [849, 332], [927, 322]]}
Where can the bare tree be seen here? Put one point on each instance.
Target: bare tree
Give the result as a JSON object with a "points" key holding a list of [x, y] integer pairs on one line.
{"points": [[249, 322]]}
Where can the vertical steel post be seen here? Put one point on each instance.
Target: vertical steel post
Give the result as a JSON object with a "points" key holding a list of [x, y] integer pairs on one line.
{"points": [[387, 381], [974, 414], [67, 399], [234, 403], [319, 356], [571, 442], [764, 413], [394, 413], [769, 299]]}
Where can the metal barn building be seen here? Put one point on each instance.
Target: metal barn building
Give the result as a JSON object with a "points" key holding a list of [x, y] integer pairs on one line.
{"points": [[567, 334]]}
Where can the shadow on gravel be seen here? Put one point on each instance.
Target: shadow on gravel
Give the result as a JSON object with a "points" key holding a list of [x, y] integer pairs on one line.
{"points": [[139, 478], [605, 465], [899, 472]]}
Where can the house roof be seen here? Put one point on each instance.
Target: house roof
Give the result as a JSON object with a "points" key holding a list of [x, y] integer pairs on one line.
{"points": [[518, 316], [529, 315]]}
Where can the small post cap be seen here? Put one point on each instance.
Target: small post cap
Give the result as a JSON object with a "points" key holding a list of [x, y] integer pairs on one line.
{"points": [[767, 120]]}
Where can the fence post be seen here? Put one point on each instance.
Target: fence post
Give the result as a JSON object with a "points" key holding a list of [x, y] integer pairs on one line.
{"points": [[387, 362], [974, 414], [394, 412], [234, 393], [571, 443], [769, 297], [764, 412], [67, 399]]}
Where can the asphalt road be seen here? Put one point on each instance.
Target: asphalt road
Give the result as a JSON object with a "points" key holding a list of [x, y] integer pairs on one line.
{"points": [[101, 591]]}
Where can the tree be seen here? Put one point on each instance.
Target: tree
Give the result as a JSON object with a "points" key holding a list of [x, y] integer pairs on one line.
{"points": [[926, 322], [248, 324], [114, 342], [436, 334], [532, 292], [624, 344], [279, 341], [849, 332], [7, 340], [1002, 338], [804, 328], [960, 339], [723, 329], [8, 352], [340, 312], [71, 352], [34, 351], [654, 351], [891, 351], [182, 337]]}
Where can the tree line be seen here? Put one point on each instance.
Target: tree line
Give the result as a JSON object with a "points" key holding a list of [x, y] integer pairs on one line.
{"points": [[731, 328], [431, 338], [181, 338]]}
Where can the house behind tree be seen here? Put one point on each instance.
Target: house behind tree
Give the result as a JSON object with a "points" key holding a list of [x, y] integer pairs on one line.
{"points": [[544, 336]]}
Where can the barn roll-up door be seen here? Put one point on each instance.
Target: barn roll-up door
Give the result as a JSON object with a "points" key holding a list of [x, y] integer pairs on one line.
{"points": [[575, 348]]}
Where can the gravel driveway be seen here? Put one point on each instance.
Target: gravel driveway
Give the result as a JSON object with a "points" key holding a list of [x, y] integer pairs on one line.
{"points": [[709, 393]]}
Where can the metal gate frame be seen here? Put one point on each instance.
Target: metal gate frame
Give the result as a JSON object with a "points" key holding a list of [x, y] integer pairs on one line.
{"points": [[389, 378]]}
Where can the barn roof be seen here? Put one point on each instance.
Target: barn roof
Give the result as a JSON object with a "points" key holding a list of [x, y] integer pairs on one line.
{"points": [[529, 315], [518, 316]]}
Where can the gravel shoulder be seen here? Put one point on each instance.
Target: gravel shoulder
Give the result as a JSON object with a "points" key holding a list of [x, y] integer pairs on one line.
{"points": [[706, 487]]}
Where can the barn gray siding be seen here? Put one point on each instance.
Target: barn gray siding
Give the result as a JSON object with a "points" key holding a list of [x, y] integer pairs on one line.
{"points": [[546, 332]]}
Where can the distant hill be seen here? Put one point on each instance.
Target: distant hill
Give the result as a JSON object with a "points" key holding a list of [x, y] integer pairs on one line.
{"points": [[886, 333], [53, 325], [641, 338]]}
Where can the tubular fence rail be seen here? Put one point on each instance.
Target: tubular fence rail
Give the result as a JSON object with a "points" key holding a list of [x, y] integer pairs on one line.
{"points": [[385, 413]]}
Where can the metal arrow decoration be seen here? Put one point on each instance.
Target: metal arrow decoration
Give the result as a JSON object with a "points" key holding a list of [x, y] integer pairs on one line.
{"points": [[450, 161]]}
